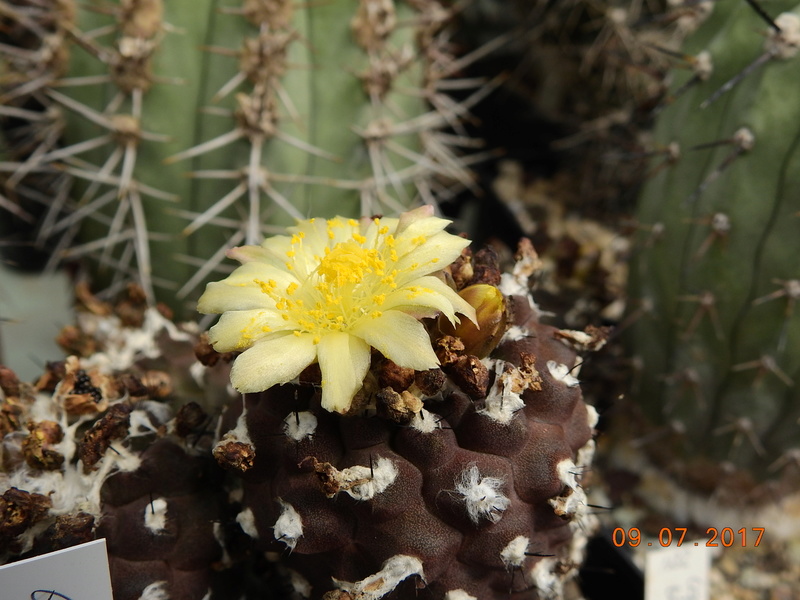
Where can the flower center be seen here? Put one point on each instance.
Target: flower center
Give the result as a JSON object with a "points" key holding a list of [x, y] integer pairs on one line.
{"points": [[348, 262], [350, 282]]}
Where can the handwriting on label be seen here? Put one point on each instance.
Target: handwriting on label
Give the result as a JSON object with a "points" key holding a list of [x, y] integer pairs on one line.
{"points": [[678, 573], [77, 573]]}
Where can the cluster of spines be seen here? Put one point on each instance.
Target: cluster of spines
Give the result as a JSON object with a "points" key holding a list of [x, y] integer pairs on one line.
{"points": [[336, 109]]}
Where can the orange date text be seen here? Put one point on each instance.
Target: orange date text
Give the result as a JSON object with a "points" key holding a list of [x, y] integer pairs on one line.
{"points": [[675, 536]]}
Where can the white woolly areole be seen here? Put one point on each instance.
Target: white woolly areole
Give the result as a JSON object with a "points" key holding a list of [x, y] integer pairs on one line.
{"points": [[502, 402], [515, 333], [546, 579], [572, 503], [299, 583], [425, 422], [300, 425], [289, 526], [371, 481], [155, 515], [155, 591], [482, 495], [140, 421], [513, 555], [376, 586], [561, 372], [238, 433], [786, 43], [219, 535], [124, 345], [592, 416], [458, 595], [247, 521], [514, 285]]}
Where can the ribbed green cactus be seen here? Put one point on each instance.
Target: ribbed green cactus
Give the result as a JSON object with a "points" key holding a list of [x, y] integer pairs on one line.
{"points": [[177, 130], [716, 276]]}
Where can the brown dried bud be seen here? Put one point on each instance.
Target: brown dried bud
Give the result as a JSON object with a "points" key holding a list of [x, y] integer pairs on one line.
{"points": [[19, 510], [205, 353], [471, 375], [75, 341], [9, 382], [448, 349], [190, 419], [397, 407], [461, 270], [235, 456], [54, 372], [486, 267], [112, 426], [70, 530], [490, 309], [37, 447], [430, 382], [394, 376], [158, 384], [11, 415]]}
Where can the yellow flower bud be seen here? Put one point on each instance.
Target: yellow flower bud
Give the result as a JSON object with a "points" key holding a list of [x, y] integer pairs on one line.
{"points": [[490, 308]]}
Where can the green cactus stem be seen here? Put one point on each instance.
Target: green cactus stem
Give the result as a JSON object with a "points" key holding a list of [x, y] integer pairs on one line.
{"points": [[716, 275]]}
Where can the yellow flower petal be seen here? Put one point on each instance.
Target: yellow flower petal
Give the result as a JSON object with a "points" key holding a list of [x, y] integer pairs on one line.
{"points": [[400, 338], [272, 362], [430, 292], [241, 290], [343, 360], [219, 298], [434, 254], [240, 329]]}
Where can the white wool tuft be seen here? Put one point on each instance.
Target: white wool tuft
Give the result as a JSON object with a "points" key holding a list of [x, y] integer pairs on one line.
{"points": [[502, 402], [300, 425], [371, 481], [573, 502], [247, 521], [124, 345], [562, 373], [482, 495], [155, 591], [300, 584], [155, 515], [516, 333], [546, 579], [289, 526], [376, 586], [513, 555], [426, 422], [458, 595]]}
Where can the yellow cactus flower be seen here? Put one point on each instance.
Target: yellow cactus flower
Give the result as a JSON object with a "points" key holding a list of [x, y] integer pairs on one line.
{"points": [[329, 292]]}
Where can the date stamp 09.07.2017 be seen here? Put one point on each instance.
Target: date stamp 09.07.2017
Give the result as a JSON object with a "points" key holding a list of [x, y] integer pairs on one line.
{"points": [[667, 537]]}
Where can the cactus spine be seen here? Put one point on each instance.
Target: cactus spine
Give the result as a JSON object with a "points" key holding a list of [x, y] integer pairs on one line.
{"points": [[335, 108], [716, 274]]}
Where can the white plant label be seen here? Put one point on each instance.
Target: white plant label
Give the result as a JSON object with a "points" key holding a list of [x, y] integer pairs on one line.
{"points": [[77, 573], [679, 573]]}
